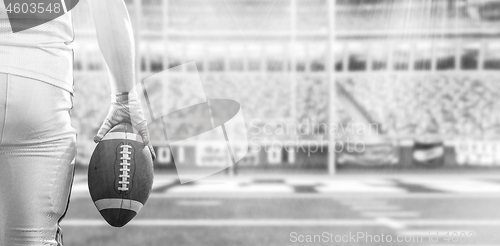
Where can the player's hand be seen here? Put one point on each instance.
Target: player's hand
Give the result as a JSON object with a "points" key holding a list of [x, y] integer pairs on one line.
{"points": [[125, 108]]}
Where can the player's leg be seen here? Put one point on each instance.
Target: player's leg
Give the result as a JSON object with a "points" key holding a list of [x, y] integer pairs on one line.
{"points": [[37, 151]]}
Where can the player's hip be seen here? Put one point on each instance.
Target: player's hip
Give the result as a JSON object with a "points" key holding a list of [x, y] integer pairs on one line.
{"points": [[33, 112]]}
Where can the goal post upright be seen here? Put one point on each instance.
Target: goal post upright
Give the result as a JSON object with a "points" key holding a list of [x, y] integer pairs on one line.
{"points": [[165, 34], [332, 88], [293, 61]]}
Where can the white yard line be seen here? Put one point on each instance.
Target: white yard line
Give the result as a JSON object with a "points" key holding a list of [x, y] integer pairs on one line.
{"points": [[368, 205], [283, 222], [199, 203], [391, 223], [288, 195], [161, 183], [385, 214], [363, 202], [375, 208], [229, 222]]}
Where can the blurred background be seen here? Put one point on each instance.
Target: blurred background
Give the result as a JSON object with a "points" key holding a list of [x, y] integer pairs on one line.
{"points": [[376, 116]]}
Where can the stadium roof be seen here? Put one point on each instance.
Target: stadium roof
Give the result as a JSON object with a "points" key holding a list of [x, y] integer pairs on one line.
{"points": [[312, 16]]}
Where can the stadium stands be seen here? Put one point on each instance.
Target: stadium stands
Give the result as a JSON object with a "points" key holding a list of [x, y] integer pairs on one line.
{"points": [[446, 104], [412, 67], [91, 104]]}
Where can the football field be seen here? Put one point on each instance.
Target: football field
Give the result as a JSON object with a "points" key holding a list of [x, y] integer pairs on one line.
{"points": [[310, 210]]}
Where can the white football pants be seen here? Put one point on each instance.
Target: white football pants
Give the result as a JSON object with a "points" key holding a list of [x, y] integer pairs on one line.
{"points": [[37, 152]]}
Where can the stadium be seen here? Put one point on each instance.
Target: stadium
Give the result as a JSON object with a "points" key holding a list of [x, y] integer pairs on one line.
{"points": [[353, 108]]}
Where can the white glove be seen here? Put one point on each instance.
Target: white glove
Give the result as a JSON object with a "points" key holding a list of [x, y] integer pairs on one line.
{"points": [[126, 108]]}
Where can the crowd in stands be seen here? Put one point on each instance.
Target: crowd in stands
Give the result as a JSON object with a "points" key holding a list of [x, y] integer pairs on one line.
{"points": [[264, 99], [444, 104], [90, 106], [312, 99], [401, 105]]}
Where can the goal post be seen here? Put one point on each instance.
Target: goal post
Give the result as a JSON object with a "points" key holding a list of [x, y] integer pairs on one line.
{"points": [[332, 92]]}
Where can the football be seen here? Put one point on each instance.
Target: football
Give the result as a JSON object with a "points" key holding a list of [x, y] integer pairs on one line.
{"points": [[120, 175]]}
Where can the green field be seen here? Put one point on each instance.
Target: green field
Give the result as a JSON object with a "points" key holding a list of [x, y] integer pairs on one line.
{"points": [[211, 218]]}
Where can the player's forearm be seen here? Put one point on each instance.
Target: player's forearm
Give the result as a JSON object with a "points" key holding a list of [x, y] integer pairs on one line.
{"points": [[116, 41]]}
